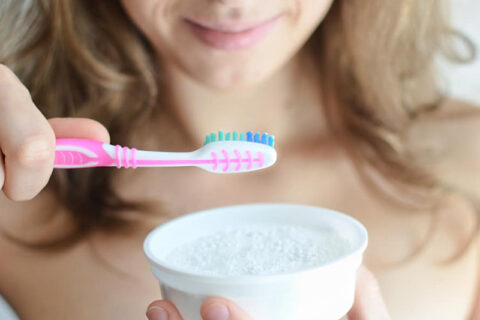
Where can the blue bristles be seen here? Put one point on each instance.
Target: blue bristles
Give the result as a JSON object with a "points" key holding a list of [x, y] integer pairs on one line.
{"points": [[250, 136], [264, 138], [271, 141]]}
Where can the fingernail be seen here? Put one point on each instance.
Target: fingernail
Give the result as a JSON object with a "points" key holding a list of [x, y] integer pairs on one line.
{"points": [[217, 311], [157, 313]]}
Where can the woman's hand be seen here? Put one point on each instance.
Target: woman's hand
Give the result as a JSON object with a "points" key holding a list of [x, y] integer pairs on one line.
{"points": [[27, 139], [212, 309], [368, 305]]}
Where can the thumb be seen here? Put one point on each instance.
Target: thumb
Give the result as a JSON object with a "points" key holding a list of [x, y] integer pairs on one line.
{"points": [[369, 304], [81, 128]]}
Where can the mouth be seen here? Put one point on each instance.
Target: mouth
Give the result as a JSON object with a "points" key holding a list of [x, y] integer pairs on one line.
{"points": [[231, 36]]}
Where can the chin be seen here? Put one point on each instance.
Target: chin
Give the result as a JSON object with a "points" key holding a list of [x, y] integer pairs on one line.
{"points": [[231, 78], [230, 83]]}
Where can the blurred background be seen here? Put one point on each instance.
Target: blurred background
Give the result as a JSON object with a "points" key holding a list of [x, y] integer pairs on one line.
{"points": [[461, 81]]}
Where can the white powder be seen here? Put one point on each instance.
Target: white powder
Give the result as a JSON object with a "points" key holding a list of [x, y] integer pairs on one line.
{"points": [[259, 250]]}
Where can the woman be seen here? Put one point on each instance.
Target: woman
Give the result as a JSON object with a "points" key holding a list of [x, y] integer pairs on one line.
{"points": [[347, 87]]}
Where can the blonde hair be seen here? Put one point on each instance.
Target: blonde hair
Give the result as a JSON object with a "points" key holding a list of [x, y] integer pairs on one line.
{"points": [[86, 58]]}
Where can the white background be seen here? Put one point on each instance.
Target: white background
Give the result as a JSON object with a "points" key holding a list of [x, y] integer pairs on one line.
{"points": [[463, 81]]}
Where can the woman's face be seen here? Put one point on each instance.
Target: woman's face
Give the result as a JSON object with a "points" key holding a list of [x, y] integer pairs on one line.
{"points": [[227, 43]]}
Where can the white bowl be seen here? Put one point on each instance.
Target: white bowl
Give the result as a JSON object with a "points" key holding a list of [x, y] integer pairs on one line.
{"points": [[325, 292]]}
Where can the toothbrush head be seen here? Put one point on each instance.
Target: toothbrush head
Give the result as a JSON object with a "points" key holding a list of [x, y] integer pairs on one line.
{"points": [[263, 138], [235, 152]]}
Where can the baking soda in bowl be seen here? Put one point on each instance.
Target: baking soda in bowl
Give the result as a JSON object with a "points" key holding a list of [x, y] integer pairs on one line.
{"points": [[259, 250], [276, 261]]}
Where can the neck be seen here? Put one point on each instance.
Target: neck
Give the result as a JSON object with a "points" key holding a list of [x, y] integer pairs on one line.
{"points": [[287, 105]]}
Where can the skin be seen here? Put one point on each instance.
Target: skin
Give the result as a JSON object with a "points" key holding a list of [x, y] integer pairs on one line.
{"points": [[266, 87]]}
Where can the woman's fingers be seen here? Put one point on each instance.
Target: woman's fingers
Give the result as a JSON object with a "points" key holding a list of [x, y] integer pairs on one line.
{"points": [[222, 309], [27, 141], [369, 304], [212, 309], [162, 310], [79, 128]]}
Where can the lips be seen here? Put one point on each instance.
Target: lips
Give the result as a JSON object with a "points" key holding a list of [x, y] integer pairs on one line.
{"points": [[231, 36]]}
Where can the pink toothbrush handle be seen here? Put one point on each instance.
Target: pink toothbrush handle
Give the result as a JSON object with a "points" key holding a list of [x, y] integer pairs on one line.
{"points": [[83, 153]]}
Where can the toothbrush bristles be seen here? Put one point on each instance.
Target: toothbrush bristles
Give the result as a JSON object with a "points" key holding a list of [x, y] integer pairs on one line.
{"points": [[263, 138], [271, 141]]}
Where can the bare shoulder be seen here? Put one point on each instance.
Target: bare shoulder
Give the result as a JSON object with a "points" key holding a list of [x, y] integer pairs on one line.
{"points": [[22, 224], [35, 221], [446, 141]]}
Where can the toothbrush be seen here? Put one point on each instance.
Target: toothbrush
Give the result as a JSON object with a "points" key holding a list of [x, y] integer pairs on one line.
{"points": [[222, 153]]}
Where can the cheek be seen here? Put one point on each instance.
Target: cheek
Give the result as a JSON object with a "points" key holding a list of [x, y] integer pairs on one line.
{"points": [[154, 18], [310, 13]]}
